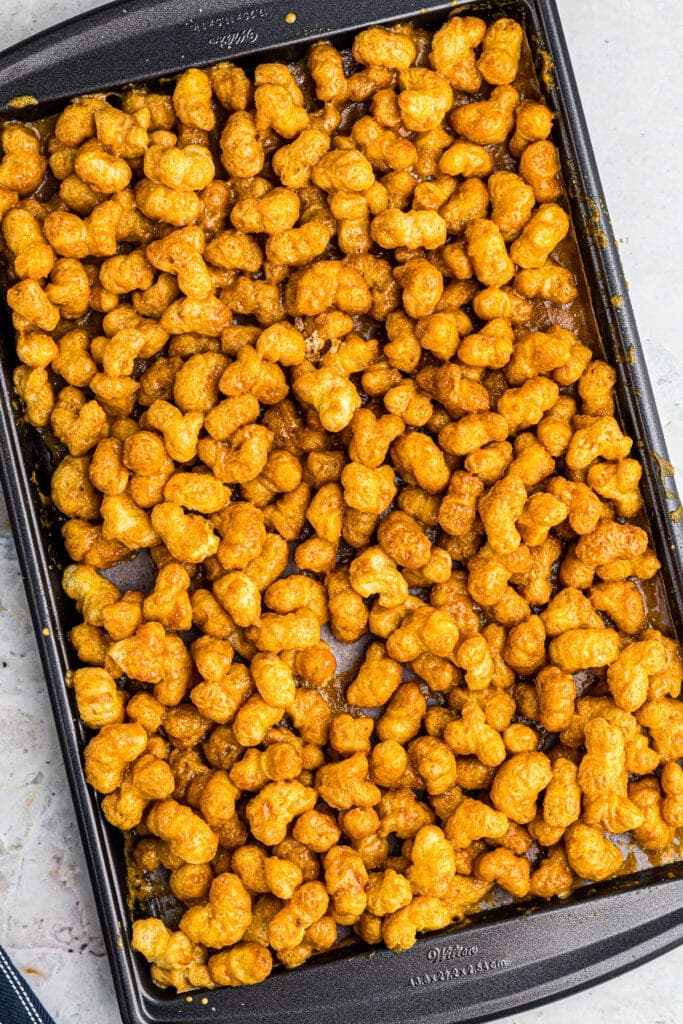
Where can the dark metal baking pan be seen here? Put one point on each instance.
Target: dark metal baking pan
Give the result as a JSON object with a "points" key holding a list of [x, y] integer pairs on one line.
{"points": [[507, 958]]}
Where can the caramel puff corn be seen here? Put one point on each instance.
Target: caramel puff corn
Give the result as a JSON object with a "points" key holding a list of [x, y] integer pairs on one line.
{"points": [[298, 339]]}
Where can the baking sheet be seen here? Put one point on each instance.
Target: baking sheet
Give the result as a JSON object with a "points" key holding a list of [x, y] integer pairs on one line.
{"points": [[39, 547]]}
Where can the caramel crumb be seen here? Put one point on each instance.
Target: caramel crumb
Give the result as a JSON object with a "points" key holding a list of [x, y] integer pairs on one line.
{"points": [[20, 102]]}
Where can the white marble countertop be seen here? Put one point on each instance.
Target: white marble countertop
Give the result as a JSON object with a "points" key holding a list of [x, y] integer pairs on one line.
{"points": [[626, 68]]}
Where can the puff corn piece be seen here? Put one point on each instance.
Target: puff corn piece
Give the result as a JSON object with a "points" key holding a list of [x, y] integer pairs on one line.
{"points": [[487, 121], [292, 316], [384, 48], [486, 249], [501, 49], [424, 100], [453, 52]]}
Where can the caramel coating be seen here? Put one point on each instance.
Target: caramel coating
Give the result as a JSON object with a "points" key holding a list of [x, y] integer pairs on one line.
{"points": [[245, 963], [453, 52], [486, 249], [511, 873], [487, 121], [473, 820], [424, 100], [590, 854], [578, 649], [539, 166], [377, 679], [500, 52], [423, 913], [551, 282], [187, 834], [345, 784], [224, 918], [544, 231], [175, 960], [517, 784], [99, 701], [472, 734], [384, 48], [628, 677], [415, 229]]}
